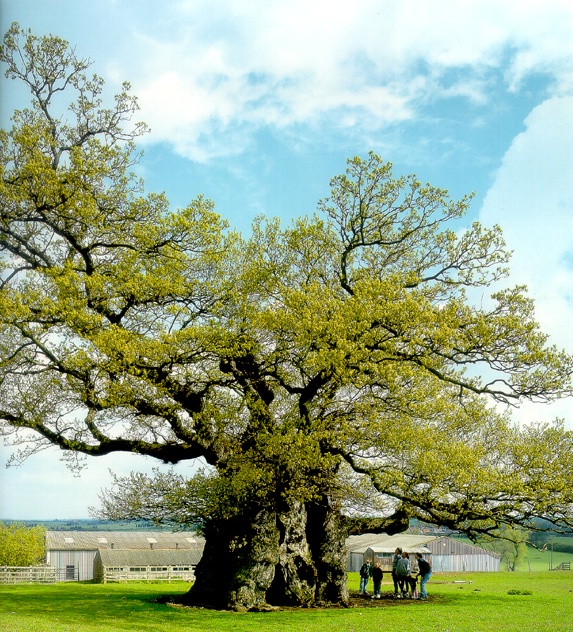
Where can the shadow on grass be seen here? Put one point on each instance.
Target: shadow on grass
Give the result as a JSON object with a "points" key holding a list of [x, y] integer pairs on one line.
{"points": [[88, 605], [139, 608]]}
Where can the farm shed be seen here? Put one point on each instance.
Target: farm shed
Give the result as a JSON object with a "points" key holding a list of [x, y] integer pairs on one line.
{"points": [[383, 554], [112, 565], [446, 554], [380, 547], [452, 555], [73, 552], [357, 545]]}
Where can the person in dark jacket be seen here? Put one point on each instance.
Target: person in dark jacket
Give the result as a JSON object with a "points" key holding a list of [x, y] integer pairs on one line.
{"points": [[365, 575], [424, 572], [377, 576]]}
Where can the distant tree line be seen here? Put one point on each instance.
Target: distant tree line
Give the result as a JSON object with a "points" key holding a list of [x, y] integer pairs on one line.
{"points": [[88, 525]]}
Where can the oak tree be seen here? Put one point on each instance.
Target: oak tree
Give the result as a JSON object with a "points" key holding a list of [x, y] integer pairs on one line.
{"points": [[337, 362]]}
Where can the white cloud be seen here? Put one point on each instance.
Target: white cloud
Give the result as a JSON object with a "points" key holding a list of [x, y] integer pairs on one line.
{"points": [[237, 65], [532, 200]]}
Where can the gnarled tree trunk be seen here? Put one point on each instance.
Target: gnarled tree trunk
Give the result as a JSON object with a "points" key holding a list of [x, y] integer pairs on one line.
{"points": [[292, 556]]}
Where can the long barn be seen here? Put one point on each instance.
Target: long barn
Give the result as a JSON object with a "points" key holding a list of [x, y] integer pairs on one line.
{"points": [[73, 552], [446, 554]]}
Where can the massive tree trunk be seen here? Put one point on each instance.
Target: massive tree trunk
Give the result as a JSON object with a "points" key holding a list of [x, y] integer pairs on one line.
{"points": [[292, 556]]}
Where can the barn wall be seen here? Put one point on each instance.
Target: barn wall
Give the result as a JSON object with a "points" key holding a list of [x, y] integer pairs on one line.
{"points": [[80, 561], [355, 561], [464, 563], [384, 559], [451, 555]]}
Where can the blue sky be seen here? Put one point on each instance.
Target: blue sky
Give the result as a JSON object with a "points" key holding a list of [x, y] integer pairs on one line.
{"points": [[258, 103]]}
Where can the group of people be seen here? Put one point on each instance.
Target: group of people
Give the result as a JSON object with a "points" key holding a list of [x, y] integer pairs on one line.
{"points": [[405, 582]]}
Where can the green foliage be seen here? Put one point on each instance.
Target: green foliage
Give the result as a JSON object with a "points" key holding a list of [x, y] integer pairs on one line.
{"points": [[336, 358], [164, 498], [511, 545], [21, 546]]}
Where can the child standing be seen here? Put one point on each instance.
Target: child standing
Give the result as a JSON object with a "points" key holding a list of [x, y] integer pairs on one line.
{"points": [[377, 575]]}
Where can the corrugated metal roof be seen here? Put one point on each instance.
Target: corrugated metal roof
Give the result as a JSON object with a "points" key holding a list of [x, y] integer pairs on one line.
{"points": [[123, 540], [356, 542], [407, 541], [390, 548], [150, 557], [384, 543]]}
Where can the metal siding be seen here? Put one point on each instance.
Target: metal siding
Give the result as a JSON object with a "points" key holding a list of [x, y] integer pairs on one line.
{"points": [[355, 561], [153, 565], [464, 563], [82, 561]]}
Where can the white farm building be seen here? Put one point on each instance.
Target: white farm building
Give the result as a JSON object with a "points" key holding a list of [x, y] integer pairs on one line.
{"points": [[446, 554], [157, 555], [123, 555]]}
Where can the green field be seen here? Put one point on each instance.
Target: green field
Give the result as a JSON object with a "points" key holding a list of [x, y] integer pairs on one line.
{"points": [[484, 602], [540, 560], [558, 550]]}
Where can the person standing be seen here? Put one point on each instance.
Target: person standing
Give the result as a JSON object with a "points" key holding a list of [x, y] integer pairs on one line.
{"points": [[424, 572], [412, 582], [403, 571], [365, 575], [377, 576], [397, 556]]}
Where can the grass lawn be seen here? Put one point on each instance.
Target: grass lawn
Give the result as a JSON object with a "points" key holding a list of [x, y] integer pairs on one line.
{"points": [[482, 603]]}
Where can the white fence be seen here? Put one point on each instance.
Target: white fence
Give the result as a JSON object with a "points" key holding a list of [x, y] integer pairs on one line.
{"points": [[28, 575], [147, 573]]}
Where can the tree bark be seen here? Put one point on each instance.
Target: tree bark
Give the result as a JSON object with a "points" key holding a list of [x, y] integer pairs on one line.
{"points": [[293, 556]]}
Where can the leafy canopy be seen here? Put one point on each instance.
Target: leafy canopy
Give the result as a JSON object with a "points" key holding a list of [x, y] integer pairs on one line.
{"points": [[341, 355]]}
